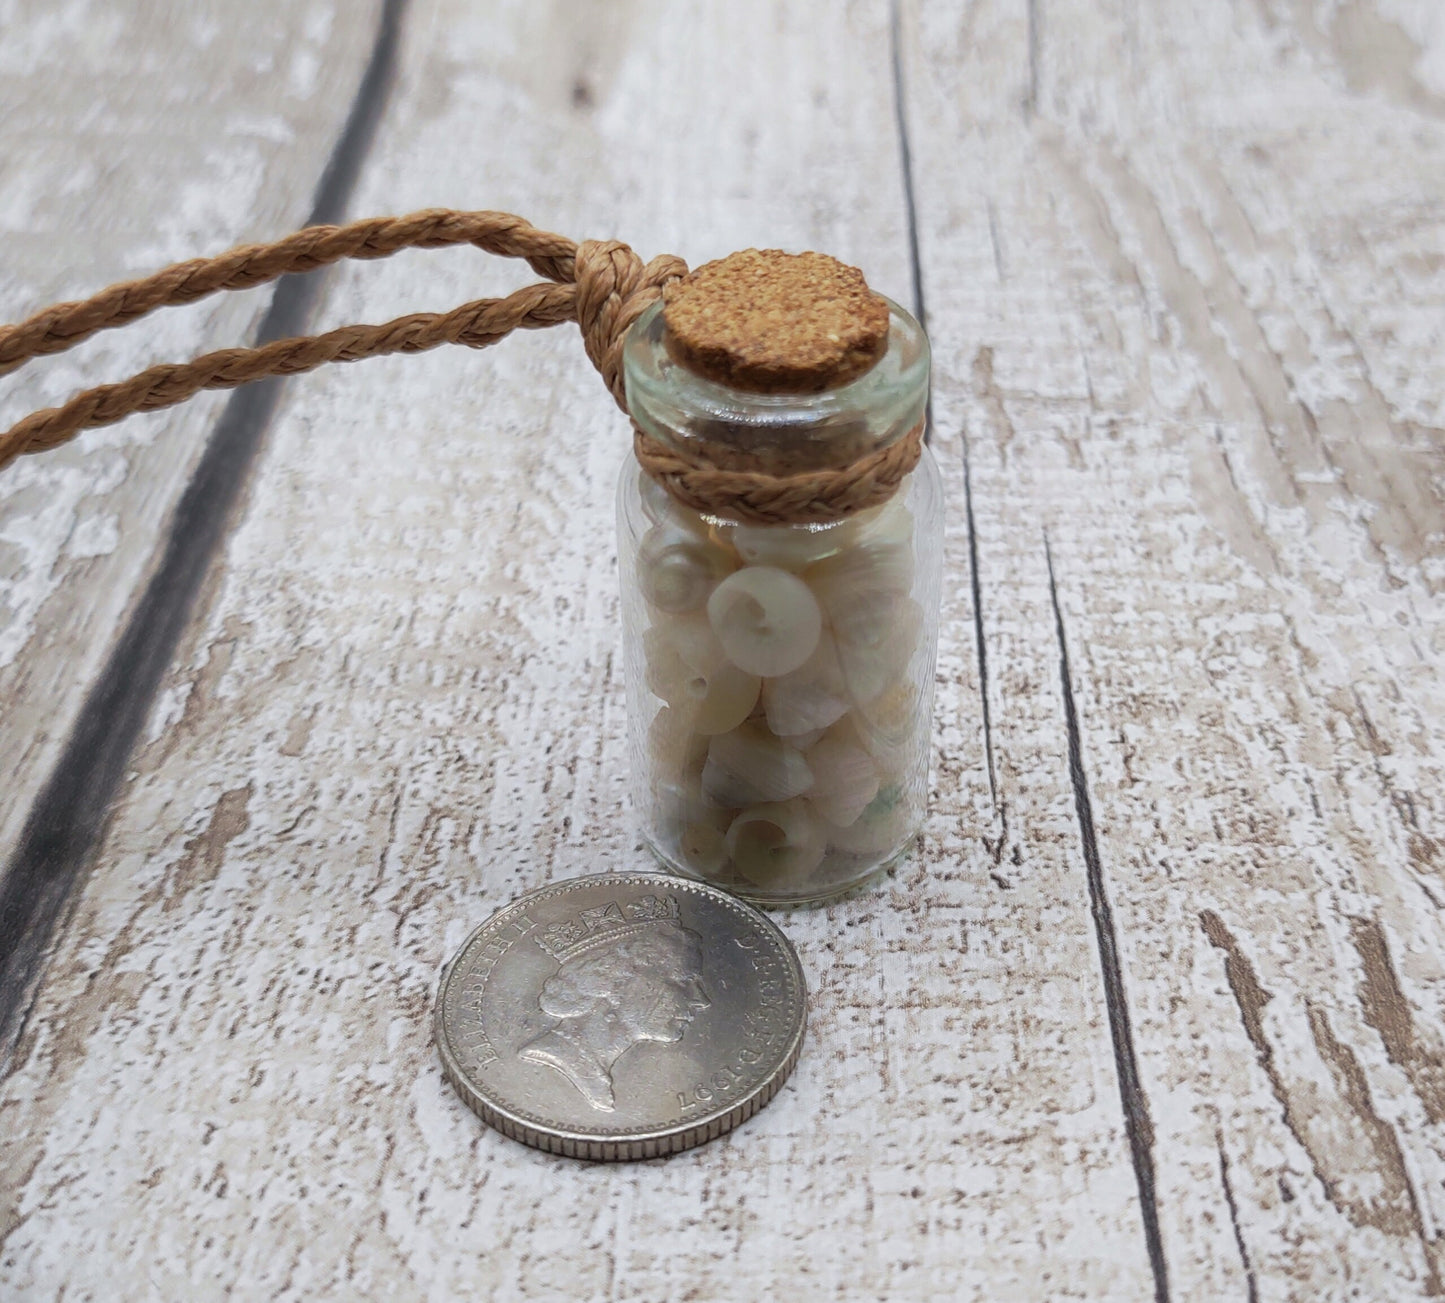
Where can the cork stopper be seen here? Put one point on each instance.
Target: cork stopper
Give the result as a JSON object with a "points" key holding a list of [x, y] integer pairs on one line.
{"points": [[776, 323]]}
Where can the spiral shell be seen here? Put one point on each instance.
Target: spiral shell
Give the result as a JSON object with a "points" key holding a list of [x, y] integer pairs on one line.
{"points": [[689, 823], [890, 523], [791, 547], [674, 747], [677, 569], [686, 638], [749, 766], [704, 848], [845, 779], [880, 828], [888, 730], [688, 669], [863, 588], [802, 741], [776, 845], [678, 799], [870, 670], [766, 619], [730, 698], [811, 697]]}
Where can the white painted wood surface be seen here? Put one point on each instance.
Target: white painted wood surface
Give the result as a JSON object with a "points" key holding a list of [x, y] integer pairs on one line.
{"points": [[1163, 322], [131, 137], [1183, 276]]}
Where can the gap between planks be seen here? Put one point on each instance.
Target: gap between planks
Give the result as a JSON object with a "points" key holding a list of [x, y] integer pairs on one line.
{"points": [[65, 822], [1138, 1125]]}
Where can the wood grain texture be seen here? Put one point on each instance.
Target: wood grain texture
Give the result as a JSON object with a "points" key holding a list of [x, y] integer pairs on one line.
{"points": [[1193, 337], [1155, 1011], [404, 707], [133, 138]]}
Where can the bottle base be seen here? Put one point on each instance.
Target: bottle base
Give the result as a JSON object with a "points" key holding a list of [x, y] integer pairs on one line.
{"points": [[836, 887]]}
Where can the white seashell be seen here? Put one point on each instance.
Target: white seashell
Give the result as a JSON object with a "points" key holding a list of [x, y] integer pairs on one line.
{"points": [[749, 766], [687, 637], [677, 569], [766, 619], [687, 822], [861, 618], [731, 695], [869, 670], [890, 523], [882, 826], [862, 589], [776, 845], [703, 847], [812, 697], [802, 741], [888, 729], [845, 779], [687, 668], [677, 799], [791, 547], [674, 746]]}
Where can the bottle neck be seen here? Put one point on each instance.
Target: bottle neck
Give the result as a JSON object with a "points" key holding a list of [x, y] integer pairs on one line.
{"points": [[776, 434]]}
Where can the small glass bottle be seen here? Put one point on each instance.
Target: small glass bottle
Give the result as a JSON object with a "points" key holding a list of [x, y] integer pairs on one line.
{"points": [[779, 676]]}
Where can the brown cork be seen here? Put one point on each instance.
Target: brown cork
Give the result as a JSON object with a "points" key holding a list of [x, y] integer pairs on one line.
{"points": [[776, 323]]}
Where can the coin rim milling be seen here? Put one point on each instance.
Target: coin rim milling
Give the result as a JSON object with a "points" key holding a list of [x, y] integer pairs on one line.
{"points": [[609, 1145]]}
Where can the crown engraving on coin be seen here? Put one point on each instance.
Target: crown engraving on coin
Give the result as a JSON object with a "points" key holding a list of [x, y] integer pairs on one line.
{"points": [[626, 973], [605, 924]]}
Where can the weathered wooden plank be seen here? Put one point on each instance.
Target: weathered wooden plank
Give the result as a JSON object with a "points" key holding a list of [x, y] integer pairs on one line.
{"points": [[404, 707], [1191, 327], [132, 138]]}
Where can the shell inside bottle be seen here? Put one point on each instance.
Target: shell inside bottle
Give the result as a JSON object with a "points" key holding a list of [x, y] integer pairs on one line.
{"points": [[787, 750]]}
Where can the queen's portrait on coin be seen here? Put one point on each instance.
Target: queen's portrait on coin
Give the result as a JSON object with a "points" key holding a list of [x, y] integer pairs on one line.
{"points": [[626, 973]]}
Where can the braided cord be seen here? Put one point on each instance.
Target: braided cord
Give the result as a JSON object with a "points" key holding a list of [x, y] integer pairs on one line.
{"points": [[65, 324], [476, 324], [600, 284]]}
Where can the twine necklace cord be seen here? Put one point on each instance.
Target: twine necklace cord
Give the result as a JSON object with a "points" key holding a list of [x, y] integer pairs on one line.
{"points": [[600, 284]]}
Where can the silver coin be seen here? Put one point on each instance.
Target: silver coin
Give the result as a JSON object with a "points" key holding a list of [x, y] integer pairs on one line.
{"points": [[621, 1016]]}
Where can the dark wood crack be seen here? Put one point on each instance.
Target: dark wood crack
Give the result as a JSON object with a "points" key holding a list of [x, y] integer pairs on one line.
{"points": [[980, 647], [1138, 1125], [68, 817], [1036, 36], [910, 204], [920, 310], [1251, 1284]]}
